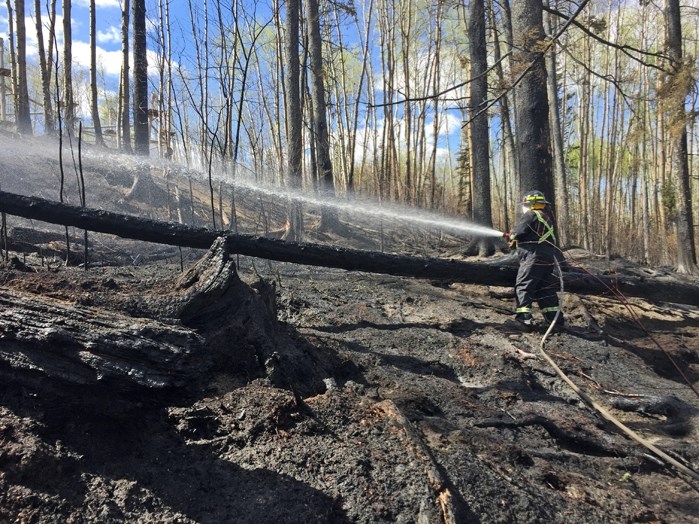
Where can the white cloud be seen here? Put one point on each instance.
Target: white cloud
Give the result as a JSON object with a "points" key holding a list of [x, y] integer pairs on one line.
{"points": [[448, 130], [111, 36], [110, 61], [99, 3]]}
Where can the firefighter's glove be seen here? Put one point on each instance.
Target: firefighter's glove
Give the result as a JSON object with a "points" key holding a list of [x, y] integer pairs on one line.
{"points": [[512, 243]]}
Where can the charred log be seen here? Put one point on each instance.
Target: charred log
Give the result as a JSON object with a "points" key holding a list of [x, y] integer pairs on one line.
{"points": [[207, 322], [90, 346], [128, 226], [46, 244]]}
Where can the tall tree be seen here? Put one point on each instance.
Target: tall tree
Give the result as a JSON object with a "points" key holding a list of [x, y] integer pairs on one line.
{"points": [[93, 75], [509, 169], [480, 147], [532, 111], [3, 88], [140, 80], [328, 219], [557, 142], [68, 98], [13, 54], [680, 81], [294, 228], [23, 118], [46, 63], [125, 86]]}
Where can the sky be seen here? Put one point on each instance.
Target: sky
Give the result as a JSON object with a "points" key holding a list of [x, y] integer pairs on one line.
{"points": [[108, 33]]}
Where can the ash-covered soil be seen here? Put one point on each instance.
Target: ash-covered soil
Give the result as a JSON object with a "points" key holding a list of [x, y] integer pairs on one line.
{"points": [[435, 410]]}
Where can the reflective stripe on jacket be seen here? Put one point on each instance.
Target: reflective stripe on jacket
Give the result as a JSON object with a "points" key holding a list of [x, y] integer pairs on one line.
{"points": [[534, 227]]}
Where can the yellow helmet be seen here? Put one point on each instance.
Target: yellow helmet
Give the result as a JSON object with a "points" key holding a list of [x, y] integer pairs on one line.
{"points": [[534, 200]]}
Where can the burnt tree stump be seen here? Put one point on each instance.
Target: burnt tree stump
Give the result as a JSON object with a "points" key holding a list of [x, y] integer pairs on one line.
{"points": [[87, 345], [209, 322]]}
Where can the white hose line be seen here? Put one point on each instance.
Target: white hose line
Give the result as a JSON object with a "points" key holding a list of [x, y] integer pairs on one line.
{"points": [[601, 410]]}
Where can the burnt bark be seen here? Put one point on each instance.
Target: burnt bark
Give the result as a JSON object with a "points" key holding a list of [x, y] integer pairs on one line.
{"points": [[176, 335], [141, 126], [480, 147], [171, 233], [294, 175], [88, 346], [532, 111], [679, 87]]}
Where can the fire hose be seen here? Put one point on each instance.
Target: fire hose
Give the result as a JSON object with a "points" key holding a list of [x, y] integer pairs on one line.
{"points": [[600, 409]]}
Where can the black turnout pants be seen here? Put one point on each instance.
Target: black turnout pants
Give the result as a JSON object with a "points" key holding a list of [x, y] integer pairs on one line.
{"points": [[536, 282]]}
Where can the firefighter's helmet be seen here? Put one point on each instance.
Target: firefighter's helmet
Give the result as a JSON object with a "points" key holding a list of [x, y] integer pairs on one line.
{"points": [[534, 199]]}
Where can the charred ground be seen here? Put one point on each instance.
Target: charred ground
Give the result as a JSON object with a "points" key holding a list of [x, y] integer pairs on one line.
{"points": [[346, 397]]}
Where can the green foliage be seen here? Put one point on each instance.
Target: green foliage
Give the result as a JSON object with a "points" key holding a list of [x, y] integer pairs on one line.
{"points": [[596, 24], [668, 198]]}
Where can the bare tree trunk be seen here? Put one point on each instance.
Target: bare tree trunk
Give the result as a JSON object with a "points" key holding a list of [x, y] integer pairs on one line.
{"points": [[125, 87], [13, 57], [294, 227], [22, 117], [351, 183], [533, 136], [645, 196], [509, 161], [68, 99], [3, 89], [682, 81], [480, 147], [140, 83], [584, 111], [328, 219], [169, 134], [465, 200], [99, 140], [388, 166], [406, 22], [436, 87], [46, 67], [561, 182]]}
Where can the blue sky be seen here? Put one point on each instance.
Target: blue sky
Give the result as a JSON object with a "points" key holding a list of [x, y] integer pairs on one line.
{"points": [[108, 29]]}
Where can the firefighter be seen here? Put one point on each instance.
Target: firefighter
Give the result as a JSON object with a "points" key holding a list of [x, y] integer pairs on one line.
{"points": [[535, 240]]}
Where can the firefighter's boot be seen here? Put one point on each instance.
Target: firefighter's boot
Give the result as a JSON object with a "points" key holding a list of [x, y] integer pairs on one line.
{"points": [[525, 319], [550, 316]]}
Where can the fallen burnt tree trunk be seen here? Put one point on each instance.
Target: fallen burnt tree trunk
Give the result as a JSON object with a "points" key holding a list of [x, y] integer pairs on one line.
{"points": [[133, 227]]}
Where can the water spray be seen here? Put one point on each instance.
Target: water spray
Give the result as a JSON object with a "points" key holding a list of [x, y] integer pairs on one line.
{"points": [[381, 210], [384, 211]]}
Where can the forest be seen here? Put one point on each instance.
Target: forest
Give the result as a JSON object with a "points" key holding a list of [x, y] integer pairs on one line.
{"points": [[253, 263], [453, 107]]}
